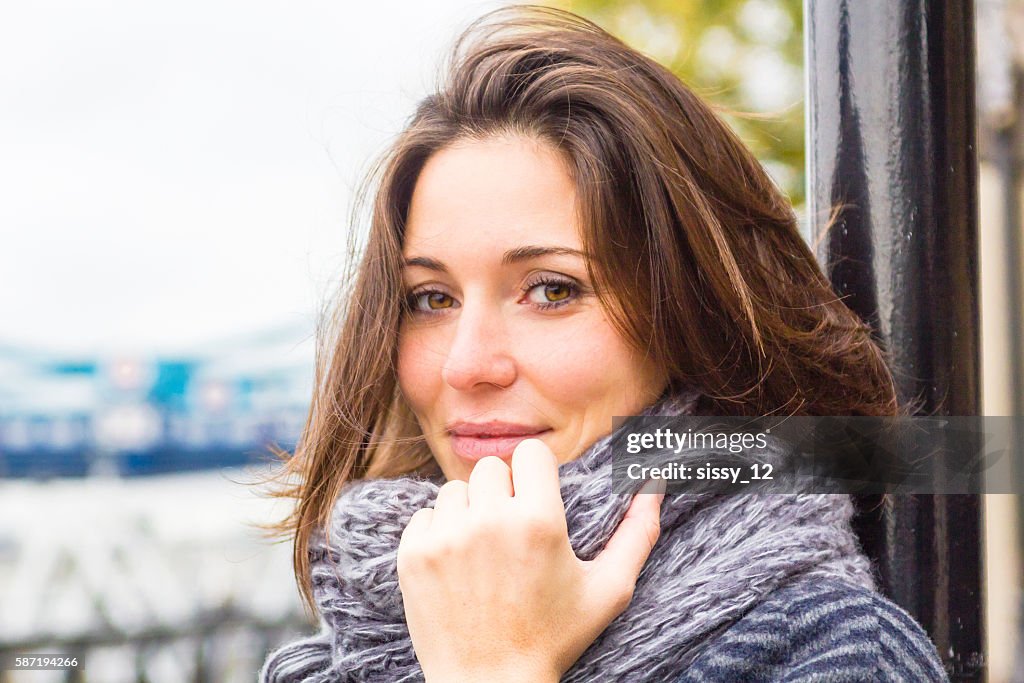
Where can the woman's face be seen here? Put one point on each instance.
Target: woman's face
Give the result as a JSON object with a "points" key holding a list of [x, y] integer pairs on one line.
{"points": [[505, 338]]}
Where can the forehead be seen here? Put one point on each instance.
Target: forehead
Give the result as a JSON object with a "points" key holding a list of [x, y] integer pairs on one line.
{"points": [[498, 192]]}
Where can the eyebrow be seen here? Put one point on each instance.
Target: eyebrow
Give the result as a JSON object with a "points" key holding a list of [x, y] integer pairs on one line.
{"points": [[510, 257]]}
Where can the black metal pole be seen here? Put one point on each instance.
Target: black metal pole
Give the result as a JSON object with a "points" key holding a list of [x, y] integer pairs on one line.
{"points": [[1005, 146], [891, 145]]}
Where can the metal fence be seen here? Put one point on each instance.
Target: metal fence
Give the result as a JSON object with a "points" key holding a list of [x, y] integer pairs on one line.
{"points": [[146, 579], [219, 646]]}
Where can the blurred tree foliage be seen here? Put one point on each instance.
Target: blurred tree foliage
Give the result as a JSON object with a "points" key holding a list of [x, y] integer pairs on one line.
{"points": [[743, 56]]}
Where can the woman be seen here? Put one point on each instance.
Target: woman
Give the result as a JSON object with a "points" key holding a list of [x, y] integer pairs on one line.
{"points": [[565, 233]]}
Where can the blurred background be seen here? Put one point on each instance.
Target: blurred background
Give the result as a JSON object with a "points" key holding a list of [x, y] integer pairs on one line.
{"points": [[175, 186]]}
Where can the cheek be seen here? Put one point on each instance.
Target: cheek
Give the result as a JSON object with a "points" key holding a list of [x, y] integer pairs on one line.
{"points": [[419, 371], [585, 364]]}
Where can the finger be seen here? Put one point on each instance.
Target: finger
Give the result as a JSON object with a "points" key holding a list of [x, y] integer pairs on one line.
{"points": [[490, 483], [535, 475], [414, 539], [417, 527], [629, 547], [451, 504]]}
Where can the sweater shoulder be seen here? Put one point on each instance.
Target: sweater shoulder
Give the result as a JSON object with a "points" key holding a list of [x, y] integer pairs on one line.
{"points": [[821, 630]]}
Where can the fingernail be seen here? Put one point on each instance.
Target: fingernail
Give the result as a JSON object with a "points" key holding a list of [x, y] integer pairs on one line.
{"points": [[656, 486]]}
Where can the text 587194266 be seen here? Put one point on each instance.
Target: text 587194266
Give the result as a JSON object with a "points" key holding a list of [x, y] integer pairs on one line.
{"points": [[39, 662]]}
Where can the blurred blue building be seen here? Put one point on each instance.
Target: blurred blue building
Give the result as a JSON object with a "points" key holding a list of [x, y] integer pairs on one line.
{"points": [[225, 405]]}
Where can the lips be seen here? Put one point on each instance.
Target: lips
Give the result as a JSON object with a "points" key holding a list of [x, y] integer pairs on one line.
{"points": [[473, 441]]}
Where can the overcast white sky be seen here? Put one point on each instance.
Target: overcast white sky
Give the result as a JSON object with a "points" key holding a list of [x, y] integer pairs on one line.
{"points": [[173, 172]]}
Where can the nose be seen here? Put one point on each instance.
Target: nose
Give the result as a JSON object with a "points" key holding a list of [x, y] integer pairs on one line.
{"points": [[479, 352]]}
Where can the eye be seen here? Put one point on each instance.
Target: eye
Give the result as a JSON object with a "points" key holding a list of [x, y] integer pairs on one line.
{"points": [[549, 292], [429, 301]]}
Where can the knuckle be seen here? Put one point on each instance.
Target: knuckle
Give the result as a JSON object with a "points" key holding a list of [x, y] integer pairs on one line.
{"points": [[410, 558], [534, 449], [539, 528], [406, 561], [491, 465], [453, 489], [452, 485], [444, 549], [483, 524], [493, 461], [423, 557], [487, 525], [413, 530], [419, 514]]}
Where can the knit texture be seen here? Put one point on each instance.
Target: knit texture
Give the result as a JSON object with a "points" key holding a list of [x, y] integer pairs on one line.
{"points": [[717, 558], [826, 631]]}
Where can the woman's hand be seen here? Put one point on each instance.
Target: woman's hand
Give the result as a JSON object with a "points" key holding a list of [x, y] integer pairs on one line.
{"points": [[492, 588]]}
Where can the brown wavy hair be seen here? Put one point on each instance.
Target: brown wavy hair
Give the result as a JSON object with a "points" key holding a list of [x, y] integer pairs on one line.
{"points": [[695, 253]]}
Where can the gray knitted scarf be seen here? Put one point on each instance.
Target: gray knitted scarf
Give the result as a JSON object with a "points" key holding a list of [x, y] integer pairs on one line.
{"points": [[718, 556]]}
